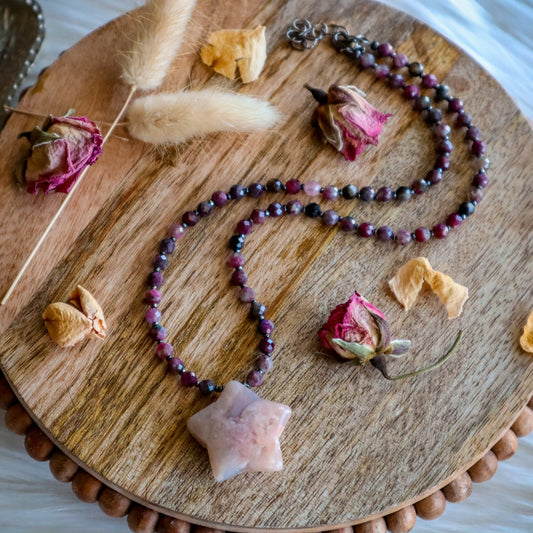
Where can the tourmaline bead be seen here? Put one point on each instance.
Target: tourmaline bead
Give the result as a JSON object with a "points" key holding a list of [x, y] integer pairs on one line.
{"points": [[330, 192], [266, 327], [466, 209], [420, 186], [403, 237], [312, 188], [276, 209], [313, 210], [403, 194], [396, 80], [293, 186], [247, 294], [153, 296], [257, 309], [445, 147], [244, 227], [188, 379], [265, 363], [429, 81], [167, 246], [219, 198], [254, 378], [347, 224], [367, 60], [367, 194], [400, 60], [381, 71], [481, 180], [422, 102], [255, 190], [385, 50], [175, 366], [155, 279], [454, 220], [237, 191], [441, 92], [384, 233], [274, 185], [463, 119], [160, 261], [190, 218], [204, 209], [422, 234], [365, 230], [330, 217], [411, 92], [442, 131], [478, 148], [236, 242], [473, 133], [475, 194], [152, 315], [164, 350], [239, 277], [416, 69], [440, 231], [349, 192], [455, 105], [158, 333], [434, 176], [206, 387], [266, 345], [443, 162], [236, 260], [434, 115], [176, 231], [384, 194], [294, 207], [258, 216]]}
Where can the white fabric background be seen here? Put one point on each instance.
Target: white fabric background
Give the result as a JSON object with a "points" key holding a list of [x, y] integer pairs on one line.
{"points": [[497, 33]]}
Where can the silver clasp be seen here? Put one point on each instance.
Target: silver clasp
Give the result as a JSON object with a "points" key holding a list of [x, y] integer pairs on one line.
{"points": [[303, 35]]}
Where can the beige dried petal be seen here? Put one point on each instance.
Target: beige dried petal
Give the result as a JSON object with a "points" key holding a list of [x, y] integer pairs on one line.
{"points": [[65, 324], [83, 300], [408, 281], [526, 340], [228, 49]]}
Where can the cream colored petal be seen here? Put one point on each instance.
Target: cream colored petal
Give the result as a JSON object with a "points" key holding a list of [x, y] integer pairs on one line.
{"points": [[526, 340], [65, 324], [83, 300]]}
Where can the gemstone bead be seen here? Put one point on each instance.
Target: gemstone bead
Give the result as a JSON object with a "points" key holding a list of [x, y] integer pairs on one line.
{"points": [[403, 237], [347, 224], [188, 379], [475, 194], [293, 186], [396, 80], [442, 130], [219, 198], [478, 148], [422, 234], [247, 294], [466, 209], [454, 220], [455, 105], [385, 50], [266, 327], [160, 261], [205, 209], [152, 315], [206, 387], [239, 277], [367, 194], [167, 246], [255, 190], [312, 188], [153, 296], [481, 180], [313, 210], [403, 194], [236, 242], [434, 115], [367, 60], [434, 176], [237, 191], [444, 147], [463, 119], [258, 216], [381, 71], [155, 279], [349, 192], [265, 363], [441, 92], [164, 350], [365, 230], [254, 378], [420, 187], [384, 233], [416, 69], [176, 231], [266, 346], [244, 227], [400, 60], [443, 162], [175, 366], [276, 209], [236, 260], [274, 185], [294, 207], [411, 92], [429, 81], [473, 133], [190, 218], [330, 217], [384, 194], [330, 192], [257, 309], [440, 231], [158, 333], [422, 102]]}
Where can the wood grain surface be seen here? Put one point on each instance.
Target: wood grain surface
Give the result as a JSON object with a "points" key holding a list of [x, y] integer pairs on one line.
{"points": [[356, 446]]}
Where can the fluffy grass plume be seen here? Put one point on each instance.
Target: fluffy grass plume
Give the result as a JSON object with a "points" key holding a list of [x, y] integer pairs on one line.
{"points": [[161, 25], [174, 118]]}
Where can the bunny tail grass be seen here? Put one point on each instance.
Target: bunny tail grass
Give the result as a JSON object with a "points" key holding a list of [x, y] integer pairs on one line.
{"points": [[174, 118]]}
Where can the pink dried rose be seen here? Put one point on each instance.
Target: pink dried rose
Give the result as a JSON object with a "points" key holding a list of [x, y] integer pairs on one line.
{"points": [[59, 152], [346, 120]]}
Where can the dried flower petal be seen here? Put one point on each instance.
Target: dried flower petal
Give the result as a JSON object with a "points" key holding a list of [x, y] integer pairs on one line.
{"points": [[228, 49], [65, 324], [526, 340], [83, 300], [408, 281]]}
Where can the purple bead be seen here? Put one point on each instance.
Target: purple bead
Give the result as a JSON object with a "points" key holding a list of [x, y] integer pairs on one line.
{"points": [[258, 216], [237, 191], [442, 131], [312, 188], [330, 192], [255, 190], [167, 246], [206, 387], [367, 194], [384, 233], [276, 209], [152, 315], [396, 80], [254, 378], [403, 237], [176, 231], [266, 327], [160, 261], [434, 115], [455, 105], [440, 231], [347, 224], [205, 209], [330, 217], [384, 194], [265, 363], [293, 187], [236, 260], [294, 207], [478, 148], [434, 176], [190, 218], [155, 279], [381, 71], [247, 295], [443, 162], [429, 81], [219, 198], [481, 180], [188, 379], [245, 227], [475, 194], [164, 350], [257, 309], [420, 187], [473, 133], [411, 92], [400, 60], [463, 119], [385, 50], [158, 333], [153, 296], [454, 220], [175, 366], [422, 234], [367, 60], [444, 147], [266, 346], [239, 277], [365, 230]]}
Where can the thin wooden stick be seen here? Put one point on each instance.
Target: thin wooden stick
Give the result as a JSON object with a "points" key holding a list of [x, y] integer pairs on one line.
{"points": [[64, 204]]}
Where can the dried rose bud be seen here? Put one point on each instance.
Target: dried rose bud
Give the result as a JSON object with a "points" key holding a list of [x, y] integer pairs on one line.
{"points": [[347, 120], [59, 152]]}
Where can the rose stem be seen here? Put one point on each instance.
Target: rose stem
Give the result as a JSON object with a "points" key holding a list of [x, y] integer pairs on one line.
{"points": [[64, 204], [379, 363]]}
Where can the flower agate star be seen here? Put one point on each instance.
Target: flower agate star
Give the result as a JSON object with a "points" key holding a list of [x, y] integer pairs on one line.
{"points": [[241, 432]]}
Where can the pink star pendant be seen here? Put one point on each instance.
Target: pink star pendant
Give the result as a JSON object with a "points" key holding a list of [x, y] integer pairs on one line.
{"points": [[241, 432]]}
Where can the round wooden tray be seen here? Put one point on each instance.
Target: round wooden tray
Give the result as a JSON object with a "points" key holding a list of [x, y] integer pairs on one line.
{"points": [[356, 446]]}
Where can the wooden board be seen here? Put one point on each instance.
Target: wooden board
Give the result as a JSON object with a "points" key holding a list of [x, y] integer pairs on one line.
{"points": [[356, 445]]}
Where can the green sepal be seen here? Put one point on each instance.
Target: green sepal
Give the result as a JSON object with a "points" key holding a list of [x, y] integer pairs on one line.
{"points": [[398, 348], [361, 352]]}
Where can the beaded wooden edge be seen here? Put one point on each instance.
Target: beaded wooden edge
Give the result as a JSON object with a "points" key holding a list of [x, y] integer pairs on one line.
{"points": [[144, 520]]}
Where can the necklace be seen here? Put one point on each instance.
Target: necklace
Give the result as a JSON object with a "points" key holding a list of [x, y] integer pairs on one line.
{"points": [[240, 403]]}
